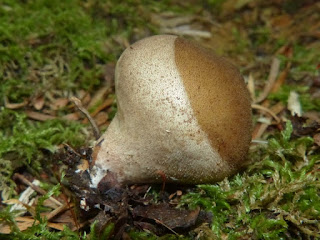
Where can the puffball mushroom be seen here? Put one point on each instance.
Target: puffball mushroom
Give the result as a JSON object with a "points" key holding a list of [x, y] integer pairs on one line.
{"points": [[183, 112]]}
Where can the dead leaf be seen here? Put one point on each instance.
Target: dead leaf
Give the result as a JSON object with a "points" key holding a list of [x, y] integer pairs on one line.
{"points": [[316, 139], [5, 229], [65, 217], [59, 103], [39, 116], [109, 71], [9, 105], [38, 103], [302, 128], [107, 103], [101, 118], [281, 21], [168, 216], [99, 96], [72, 116]]}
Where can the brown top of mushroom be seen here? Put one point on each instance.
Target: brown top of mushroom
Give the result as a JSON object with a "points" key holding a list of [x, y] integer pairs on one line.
{"points": [[214, 86]]}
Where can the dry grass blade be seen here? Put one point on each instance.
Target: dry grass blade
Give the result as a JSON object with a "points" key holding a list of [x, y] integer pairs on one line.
{"points": [[78, 103], [39, 116], [262, 127], [9, 105], [107, 103], [274, 71], [267, 110]]}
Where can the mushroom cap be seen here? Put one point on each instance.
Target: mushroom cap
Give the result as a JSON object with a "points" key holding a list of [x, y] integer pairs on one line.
{"points": [[182, 112]]}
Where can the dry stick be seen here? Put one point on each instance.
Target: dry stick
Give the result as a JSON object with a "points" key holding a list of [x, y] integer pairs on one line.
{"points": [[170, 229], [267, 110], [275, 66], [104, 105], [9, 105], [78, 103], [75, 228], [36, 188], [57, 211], [260, 129], [39, 116]]}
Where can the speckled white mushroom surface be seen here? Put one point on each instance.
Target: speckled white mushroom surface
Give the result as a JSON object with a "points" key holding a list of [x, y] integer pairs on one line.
{"points": [[183, 112]]}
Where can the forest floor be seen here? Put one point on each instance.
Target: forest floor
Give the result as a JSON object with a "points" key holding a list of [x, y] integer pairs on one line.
{"points": [[53, 50]]}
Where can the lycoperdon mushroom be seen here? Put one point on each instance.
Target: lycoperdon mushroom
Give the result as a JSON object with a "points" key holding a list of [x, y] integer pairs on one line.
{"points": [[183, 112]]}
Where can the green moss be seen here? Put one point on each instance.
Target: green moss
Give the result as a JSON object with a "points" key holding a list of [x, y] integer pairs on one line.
{"points": [[307, 102], [266, 228], [45, 44], [26, 143], [25, 139], [260, 35], [304, 61], [279, 191], [135, 235], [105, 234]]}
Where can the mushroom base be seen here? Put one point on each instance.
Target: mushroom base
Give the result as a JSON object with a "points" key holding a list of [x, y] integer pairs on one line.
{"points": [[150, 158]]}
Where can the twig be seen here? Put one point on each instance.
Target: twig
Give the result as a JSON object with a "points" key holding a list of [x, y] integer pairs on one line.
{"points": [[78, 104], [104, 105], [9, 105], [39, 116], [170, 229], [274, 70], [36, 188], [57, 211], [261, 128], [267, 110]]}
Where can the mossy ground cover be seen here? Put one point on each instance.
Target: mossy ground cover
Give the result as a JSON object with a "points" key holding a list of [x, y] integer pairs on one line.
{"points": [[51, 50]]}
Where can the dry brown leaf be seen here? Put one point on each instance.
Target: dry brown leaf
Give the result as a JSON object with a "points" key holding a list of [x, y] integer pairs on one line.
{"points": [[58, 226], [101, 118], [230, 6], [39, 116], [65, 217], [23, 223], [83, 165], [316, 139], [59, 103], [38, 103], [109, 71], [9, 105], [86, 99], [5, 229], [72, 116], [168, 216], [281, 21], [99, 96], [107, 103]]}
